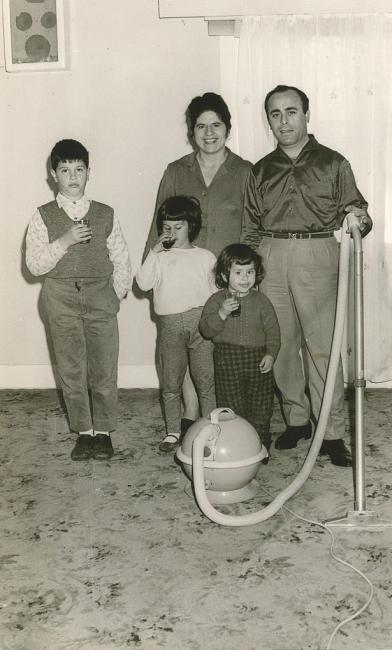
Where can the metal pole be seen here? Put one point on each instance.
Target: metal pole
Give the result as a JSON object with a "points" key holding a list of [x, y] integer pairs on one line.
{"points": [[359, 517], [359, 382]]}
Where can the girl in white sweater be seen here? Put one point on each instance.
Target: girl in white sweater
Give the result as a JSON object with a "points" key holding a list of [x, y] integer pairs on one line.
{"points": [[181, 277]]}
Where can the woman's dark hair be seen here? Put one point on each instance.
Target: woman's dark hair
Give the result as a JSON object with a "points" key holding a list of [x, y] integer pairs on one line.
{"points": [[236, 254], [178, 208], [67, 150], [207, 102], [282, 89]]}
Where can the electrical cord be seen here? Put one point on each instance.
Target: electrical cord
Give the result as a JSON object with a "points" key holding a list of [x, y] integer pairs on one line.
{"points": [[337, 559]]}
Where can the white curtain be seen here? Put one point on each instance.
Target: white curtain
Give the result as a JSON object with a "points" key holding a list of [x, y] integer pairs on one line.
{"points": [[343, 63]]}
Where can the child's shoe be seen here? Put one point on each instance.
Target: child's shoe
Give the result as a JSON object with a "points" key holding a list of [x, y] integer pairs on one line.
{"points": [[185, 424], [83, 449], [103, 448], [265, 439], [170, 442]]}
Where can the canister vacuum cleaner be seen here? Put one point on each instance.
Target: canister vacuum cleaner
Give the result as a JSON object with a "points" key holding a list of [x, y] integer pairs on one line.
{"points": [[231, 456]]}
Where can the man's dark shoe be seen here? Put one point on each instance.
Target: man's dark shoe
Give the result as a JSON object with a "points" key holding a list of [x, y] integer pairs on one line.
{"points": [[83, 449], [103, 448], [337, 451], [290, 437]]}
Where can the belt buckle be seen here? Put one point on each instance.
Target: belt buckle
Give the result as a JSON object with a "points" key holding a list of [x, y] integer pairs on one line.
{"points": [[292, 235]]}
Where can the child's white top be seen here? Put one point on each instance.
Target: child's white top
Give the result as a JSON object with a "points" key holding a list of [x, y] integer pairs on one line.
{"points": [[181, 278]]}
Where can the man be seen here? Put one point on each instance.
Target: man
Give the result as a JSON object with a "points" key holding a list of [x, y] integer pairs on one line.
{"points": [[296, 197]]}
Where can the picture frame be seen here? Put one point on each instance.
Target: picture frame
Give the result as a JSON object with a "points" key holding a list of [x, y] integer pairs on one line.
{"points": [[34, 38]]}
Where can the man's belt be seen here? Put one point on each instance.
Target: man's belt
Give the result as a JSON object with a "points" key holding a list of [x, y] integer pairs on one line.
{"points": [[298, 235]]}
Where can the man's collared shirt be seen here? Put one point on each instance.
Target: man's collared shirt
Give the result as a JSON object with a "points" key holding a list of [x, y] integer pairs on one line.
{"points": [[308, 194]]}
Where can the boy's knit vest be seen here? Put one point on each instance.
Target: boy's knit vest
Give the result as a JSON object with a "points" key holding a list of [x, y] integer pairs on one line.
{"points": [[81, 260]]}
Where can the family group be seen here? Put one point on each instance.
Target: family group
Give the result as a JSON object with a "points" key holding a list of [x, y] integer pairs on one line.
{"points": [[242, 262]]}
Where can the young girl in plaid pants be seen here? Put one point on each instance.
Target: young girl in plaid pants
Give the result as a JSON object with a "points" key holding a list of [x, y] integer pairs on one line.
{"points": [[243, 325]]}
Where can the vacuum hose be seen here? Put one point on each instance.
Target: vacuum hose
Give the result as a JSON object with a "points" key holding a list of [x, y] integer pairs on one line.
{"points": [[351, 223]]}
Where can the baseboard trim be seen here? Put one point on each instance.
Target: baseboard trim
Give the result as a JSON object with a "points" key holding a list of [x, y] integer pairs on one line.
{"points": [[13, 377]]}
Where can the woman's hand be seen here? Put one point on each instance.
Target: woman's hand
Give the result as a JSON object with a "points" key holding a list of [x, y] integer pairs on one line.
{"points": [[266, 363], [227, 306]]}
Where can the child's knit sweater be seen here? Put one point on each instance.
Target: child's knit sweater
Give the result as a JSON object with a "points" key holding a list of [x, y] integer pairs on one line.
{"points": [[257, 325]]}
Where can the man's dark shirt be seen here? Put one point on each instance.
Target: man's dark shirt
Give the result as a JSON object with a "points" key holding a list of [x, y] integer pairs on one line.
{"points": [[308, 194]]}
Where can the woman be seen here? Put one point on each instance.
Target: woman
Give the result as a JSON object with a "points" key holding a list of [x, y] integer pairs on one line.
{"points": [[212, 173], [217, 178]]}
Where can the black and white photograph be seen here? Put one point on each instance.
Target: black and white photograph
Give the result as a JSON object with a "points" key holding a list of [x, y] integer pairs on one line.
{"points": [[196, 325]]}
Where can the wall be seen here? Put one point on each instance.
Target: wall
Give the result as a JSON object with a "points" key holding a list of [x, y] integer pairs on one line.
{"points": [[131, 76]]}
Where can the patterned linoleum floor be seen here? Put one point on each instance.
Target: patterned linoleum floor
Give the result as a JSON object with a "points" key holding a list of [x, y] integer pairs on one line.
{"points": [[116, 555]]}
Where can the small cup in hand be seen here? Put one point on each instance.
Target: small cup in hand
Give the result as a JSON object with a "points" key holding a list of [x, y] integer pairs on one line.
{"points": [[84, 222], [237, 312], [168, 243]]}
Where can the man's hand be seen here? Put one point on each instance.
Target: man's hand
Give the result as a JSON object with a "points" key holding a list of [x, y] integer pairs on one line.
{"points": [[365, 222]]}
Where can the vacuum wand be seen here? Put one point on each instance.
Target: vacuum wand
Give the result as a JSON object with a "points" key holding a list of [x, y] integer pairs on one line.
{"points": [[359, 518], [359, 380]]}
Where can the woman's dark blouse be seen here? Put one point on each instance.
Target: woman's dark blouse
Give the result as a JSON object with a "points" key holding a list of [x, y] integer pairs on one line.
{"points": [[221, 202]]}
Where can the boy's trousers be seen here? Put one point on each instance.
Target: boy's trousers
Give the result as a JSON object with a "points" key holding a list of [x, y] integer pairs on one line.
{"points": [[180, 343], [241, 386], [82, 316]]}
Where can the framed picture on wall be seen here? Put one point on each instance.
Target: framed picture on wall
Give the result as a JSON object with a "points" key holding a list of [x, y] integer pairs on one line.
{"points": [[34, 35]]}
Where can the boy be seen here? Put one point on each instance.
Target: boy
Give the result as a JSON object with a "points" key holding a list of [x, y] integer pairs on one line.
{"points": [[79, 246]]}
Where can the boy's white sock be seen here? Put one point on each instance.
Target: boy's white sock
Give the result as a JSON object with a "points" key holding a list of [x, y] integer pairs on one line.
{"points": [[90, 432], [102, 433]]}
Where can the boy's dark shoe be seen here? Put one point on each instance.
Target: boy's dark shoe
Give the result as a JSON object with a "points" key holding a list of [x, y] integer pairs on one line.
{"points": [[103, 448], [290, 437], [337, 451], [83, 449]]}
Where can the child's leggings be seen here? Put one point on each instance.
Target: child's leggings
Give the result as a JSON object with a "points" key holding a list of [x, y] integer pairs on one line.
{"points": [[180, 342], [242, 387]]}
